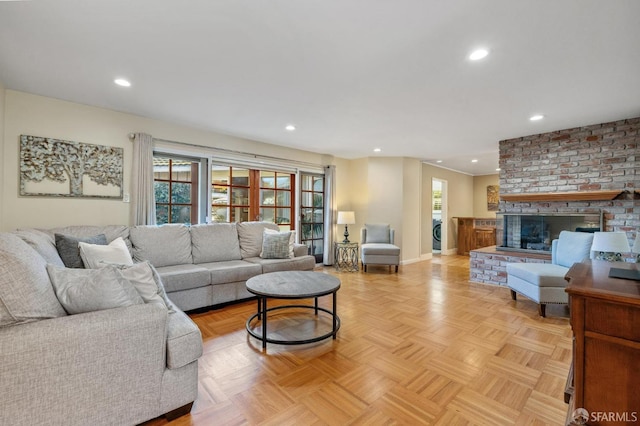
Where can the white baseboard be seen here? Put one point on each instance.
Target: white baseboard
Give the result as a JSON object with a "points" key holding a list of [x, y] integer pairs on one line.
{"points": [[426, 256], [449, 252], [409, 261]]}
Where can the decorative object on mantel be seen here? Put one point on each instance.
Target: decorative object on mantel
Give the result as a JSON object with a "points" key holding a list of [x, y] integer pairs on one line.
{"points": [[563, 196], [60, 168], [493, 197], [610, 246], [346, 218]]}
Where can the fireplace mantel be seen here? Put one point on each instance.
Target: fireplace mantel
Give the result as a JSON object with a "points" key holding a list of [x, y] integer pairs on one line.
{"points": [[562, 196]]}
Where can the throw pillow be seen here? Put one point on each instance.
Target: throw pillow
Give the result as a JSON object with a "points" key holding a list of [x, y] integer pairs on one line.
{"points": [[292, 239], [275, 246], [147, 282], [378, 233], [87, 290], [97, 255], [69, 251], [25, 290]]}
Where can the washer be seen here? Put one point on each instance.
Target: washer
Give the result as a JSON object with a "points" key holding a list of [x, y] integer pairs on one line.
{"points": [[437, 233]]}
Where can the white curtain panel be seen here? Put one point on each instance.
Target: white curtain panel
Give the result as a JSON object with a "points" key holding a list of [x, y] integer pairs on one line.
{"points": [[143, 203], [329, 213]]}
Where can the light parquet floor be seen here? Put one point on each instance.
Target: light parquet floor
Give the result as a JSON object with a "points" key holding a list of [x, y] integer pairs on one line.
{"points": [[424, 346]]}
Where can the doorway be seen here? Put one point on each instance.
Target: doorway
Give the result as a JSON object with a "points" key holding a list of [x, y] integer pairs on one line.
{"points": [[439, 215]]}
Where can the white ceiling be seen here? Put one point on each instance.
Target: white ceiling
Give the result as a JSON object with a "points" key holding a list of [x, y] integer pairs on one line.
{"points": [[352, 75]]}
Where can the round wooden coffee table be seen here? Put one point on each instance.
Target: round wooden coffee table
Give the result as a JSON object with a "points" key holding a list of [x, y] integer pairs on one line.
{"points": [[292, 285]]}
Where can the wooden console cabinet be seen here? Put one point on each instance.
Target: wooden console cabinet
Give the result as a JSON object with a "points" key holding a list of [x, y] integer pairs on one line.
{"points": [[605, 318], [472, 237]]}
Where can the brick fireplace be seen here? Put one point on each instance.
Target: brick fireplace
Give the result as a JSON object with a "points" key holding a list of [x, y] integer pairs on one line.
{"points": [[588, 169]]}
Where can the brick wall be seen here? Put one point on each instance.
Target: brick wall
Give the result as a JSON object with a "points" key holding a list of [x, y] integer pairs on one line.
{"points": [[486, 266], [598, 157]]}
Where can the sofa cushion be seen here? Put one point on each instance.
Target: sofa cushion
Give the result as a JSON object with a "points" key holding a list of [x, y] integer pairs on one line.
{"points": [[380, 249], [539, 274], [183, 277], [88, 290], [250, 236], [184, 341], [302, 263], [69, 249], [292, 242], [214, 242], [163, 245], [43, 243], [573, 247], [26, 293], [231, 271], [377, 233], [97, 256]]}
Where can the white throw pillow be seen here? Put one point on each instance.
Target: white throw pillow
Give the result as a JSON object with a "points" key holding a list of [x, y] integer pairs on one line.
{"points": [[97, 256], [292, 239]]}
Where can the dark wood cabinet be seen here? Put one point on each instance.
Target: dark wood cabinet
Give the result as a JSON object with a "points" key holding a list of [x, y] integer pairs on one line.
{"points": [[471, 236], [605, 318]]}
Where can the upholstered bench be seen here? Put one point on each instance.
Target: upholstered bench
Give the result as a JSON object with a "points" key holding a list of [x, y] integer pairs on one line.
{"points": [[544, 283]]}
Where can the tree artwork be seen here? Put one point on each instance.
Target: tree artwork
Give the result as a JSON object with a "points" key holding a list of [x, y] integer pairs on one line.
{"points": [[46, 163]]}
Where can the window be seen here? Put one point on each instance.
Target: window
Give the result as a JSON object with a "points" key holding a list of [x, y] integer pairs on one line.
{"points": [[276, 205], [240, 195], [312, 214], [176, 189], [230, 191]]}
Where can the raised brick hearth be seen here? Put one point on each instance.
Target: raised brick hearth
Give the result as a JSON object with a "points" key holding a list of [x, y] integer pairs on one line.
{"points": [[598, 157]]}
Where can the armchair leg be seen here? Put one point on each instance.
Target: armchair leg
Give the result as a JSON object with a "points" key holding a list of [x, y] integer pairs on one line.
{"points": [[513, 295], [542, 310], [396, 268]]}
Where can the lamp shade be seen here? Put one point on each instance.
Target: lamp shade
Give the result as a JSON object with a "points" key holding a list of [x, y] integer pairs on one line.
{"points": [[346, 218], [612, 242]]}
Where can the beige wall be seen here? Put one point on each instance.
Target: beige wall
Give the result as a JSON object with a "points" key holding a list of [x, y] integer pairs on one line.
{"points": [[3, 169], [411, 209], [391, 190], [480, 184], [40, 116], [459, 204]]}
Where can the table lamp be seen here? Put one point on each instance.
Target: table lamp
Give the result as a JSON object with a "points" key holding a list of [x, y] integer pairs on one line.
{"points": [[346, 218], [610, 245]]}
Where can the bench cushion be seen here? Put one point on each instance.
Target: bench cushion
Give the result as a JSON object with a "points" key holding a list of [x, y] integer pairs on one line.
{"points": [[231, 271], [539, 274]]}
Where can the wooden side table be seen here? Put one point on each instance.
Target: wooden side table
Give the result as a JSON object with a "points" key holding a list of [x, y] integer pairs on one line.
{"points": [[346, 257]]}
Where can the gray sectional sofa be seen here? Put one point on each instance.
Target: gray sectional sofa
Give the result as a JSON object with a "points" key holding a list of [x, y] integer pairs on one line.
{"points": [[127, 364]]}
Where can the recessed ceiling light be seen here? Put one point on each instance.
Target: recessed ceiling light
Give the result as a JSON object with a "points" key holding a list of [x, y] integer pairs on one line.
{"points": [[377, 150], [474, 160], [122, 82], [536, 117], [290, 127], [438, 161], [478, 54]]}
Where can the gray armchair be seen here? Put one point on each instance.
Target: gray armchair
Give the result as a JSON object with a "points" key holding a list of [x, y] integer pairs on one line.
{"points": [[377, 246]]}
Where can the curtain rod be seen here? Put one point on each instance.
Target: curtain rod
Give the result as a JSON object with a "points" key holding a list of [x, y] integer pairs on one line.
{"points": [[231, 151]]}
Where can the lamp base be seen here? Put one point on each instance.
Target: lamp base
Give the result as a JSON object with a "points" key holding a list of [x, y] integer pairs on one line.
{"points": [[346, 235], [609, 256]]}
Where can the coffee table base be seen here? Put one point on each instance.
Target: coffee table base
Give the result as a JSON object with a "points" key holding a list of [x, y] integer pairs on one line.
{"points": [[261, 315]]}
